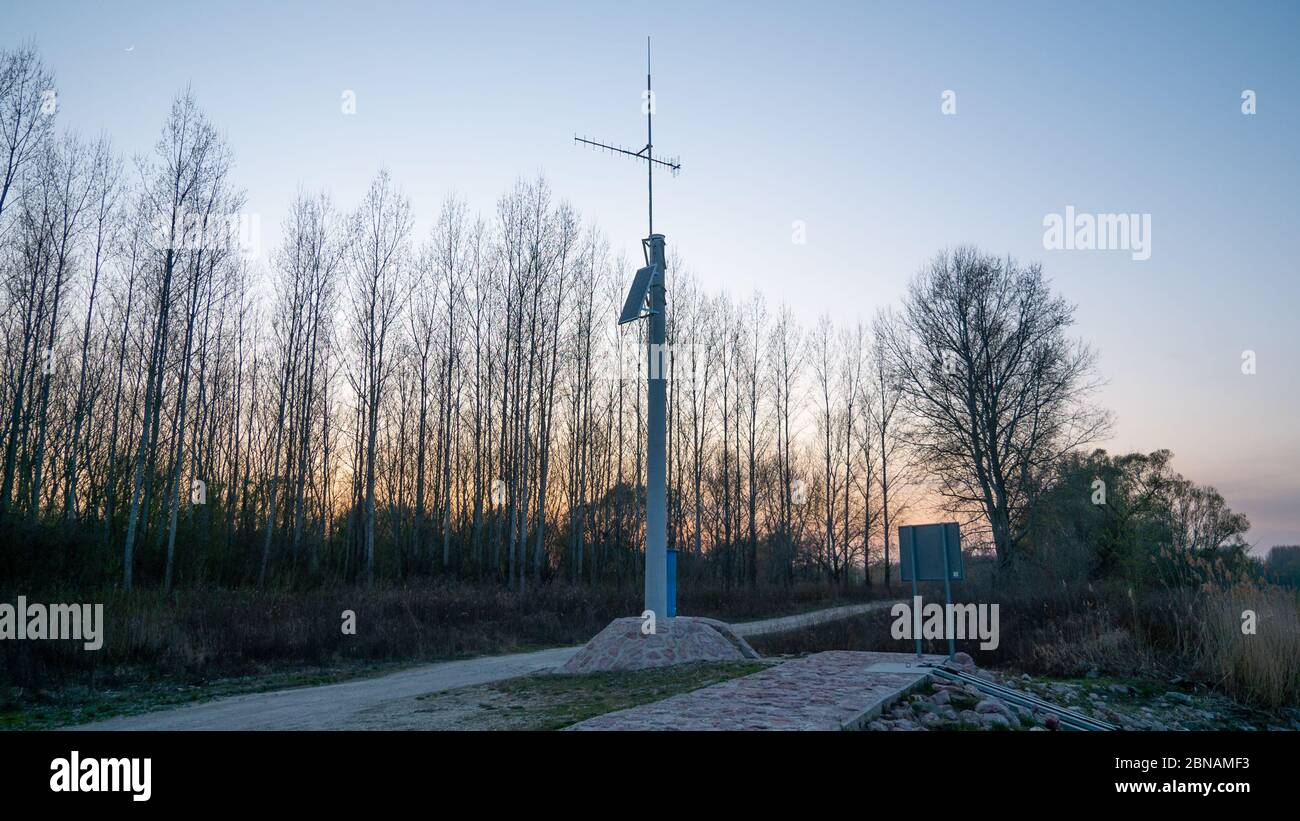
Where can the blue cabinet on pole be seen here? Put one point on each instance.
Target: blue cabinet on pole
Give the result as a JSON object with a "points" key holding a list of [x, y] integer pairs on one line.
{"points": [[672, 582]]}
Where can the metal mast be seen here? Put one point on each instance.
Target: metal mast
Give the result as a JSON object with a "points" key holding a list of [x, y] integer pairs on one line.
{"points": [[648, 292], [649, 143]]}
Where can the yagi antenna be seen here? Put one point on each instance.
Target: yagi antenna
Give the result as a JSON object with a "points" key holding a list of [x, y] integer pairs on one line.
{"points": [[671, 164]]}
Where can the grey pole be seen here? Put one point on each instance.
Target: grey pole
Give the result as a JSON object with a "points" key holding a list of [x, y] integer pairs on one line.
{"points": [[947, 596], [657, 361], [911, 541]]}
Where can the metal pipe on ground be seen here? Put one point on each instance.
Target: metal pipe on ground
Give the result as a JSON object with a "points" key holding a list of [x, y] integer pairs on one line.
{"points": [[1070, 719]]}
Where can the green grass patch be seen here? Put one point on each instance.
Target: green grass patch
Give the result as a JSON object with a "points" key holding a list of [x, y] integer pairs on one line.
{"points": [[551, 702]]}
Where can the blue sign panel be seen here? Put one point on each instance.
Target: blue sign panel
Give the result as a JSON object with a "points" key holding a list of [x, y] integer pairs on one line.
{"points": [[935, 549]]}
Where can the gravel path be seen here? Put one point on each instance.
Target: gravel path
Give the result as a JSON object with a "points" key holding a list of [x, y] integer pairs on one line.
{"points": [[787, 623]]}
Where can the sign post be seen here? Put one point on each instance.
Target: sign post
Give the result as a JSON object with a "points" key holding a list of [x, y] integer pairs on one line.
{"points": [[911, 541], [947, 594], [934, 553]]}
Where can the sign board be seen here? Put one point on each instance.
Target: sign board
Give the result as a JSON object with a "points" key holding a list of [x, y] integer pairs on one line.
{"points": [[937, 552]]}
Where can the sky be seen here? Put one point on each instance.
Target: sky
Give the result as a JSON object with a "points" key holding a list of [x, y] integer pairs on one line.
{"points": [[878, 133]]}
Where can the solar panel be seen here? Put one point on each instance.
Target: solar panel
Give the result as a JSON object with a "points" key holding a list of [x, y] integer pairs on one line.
{"points": [[636, 296]]}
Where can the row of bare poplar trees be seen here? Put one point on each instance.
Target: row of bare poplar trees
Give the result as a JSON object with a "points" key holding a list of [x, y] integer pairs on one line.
{"points": [[364, 403]]}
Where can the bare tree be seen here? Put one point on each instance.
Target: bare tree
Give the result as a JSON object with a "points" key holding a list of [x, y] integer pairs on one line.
{"points": [[449, 251], [885, 431], [187, 155], [106, 188], [786, 357], [996, 390], [377, 261], [751, 421], [28, 103], [824, 359]]}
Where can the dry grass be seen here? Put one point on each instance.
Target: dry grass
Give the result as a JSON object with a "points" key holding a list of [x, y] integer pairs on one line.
{"points": [[194, 636], [1261, 669], [1070, 631]]}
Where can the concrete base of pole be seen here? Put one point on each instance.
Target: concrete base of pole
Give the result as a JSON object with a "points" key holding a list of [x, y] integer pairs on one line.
{"points": [[624, 646]]}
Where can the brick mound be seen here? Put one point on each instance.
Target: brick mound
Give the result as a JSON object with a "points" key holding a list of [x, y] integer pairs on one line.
{"points": [[621, 646]]}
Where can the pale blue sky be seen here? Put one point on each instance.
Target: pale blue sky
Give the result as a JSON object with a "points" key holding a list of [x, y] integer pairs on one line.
{"points": [[822, 112]]}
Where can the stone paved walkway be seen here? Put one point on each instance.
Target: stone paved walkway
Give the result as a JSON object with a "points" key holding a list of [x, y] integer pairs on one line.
{"points": [[825, 691]]}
